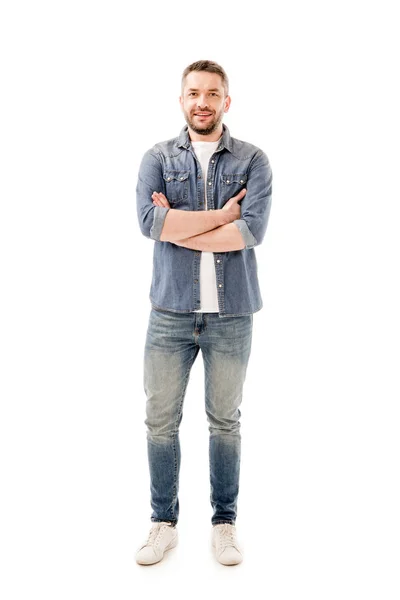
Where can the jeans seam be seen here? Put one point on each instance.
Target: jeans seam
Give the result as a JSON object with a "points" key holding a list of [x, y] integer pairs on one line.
{"points": [[176, 433]]}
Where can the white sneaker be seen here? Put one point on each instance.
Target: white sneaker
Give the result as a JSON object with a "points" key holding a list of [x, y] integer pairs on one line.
{"points": [[225, 544], [162, 537]]}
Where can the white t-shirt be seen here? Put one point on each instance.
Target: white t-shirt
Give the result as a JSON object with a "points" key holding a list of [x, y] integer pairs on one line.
{"points": [[208, 281]]}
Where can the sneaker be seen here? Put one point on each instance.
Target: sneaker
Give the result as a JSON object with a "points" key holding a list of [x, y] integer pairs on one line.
{"points": [[225, 544], [162, 537]]}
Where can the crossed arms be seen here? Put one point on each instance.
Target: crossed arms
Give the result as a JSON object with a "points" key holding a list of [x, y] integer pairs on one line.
{"points": [[222, 239], [222, 235], [213, 231]]}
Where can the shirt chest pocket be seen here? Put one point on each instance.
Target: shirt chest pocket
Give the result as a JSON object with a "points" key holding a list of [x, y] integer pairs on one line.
{"points": [[176, 186], [232, 183]]}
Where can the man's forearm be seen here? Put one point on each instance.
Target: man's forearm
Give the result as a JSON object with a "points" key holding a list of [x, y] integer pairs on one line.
{"points": [[183, 224], [222, 239]]}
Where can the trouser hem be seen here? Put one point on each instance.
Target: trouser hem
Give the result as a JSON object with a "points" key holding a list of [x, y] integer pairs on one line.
{"points": [[173, 523]]}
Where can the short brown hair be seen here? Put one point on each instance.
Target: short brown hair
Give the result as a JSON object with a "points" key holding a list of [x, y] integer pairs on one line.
{"points": [[210, 67]]}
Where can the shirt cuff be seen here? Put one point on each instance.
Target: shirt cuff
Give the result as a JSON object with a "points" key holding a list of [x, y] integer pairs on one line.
{"points": [[247, 236], [160, 212]]}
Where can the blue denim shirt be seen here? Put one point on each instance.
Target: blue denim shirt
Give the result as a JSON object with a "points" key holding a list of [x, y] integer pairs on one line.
{"points": [[171, 167]]}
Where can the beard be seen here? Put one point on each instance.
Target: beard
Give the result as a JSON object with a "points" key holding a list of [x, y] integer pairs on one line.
{"points": [[204, 129]]}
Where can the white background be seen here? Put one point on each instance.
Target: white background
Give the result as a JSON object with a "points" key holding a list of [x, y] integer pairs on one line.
{"points": [[87, 88]]}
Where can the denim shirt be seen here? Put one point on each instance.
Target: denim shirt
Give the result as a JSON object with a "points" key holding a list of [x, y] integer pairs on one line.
{"points": [[171, 167]]}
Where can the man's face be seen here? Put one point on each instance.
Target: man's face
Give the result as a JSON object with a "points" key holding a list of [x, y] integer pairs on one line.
{"points": [[203, 101]]}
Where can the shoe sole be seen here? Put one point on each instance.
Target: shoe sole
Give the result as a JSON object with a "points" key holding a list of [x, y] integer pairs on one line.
{"points": [[171, 545]]}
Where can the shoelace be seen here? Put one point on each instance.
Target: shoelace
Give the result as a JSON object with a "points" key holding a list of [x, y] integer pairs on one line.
{"points": [[227, 535], [154, 535]]}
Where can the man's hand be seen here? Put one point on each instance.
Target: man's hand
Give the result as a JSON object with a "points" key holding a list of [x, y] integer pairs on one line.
{"points": [[160, 200], [232, 204]]}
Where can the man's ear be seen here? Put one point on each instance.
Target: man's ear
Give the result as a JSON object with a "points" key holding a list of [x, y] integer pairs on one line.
{"points": [[227, 103]]}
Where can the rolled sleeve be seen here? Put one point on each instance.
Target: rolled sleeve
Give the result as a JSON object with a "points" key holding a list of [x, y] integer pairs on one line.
{"points": [[151, 218], [159, 214], [247, 236], [256, 204]]}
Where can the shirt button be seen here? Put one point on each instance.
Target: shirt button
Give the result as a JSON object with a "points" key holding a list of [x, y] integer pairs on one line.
{"points": [[196, 280], [213, 161], [210, 182], [241, 181], [181, 178], [168, 178], [218, 260], [198, 176], [220, 285], [227, 181]]}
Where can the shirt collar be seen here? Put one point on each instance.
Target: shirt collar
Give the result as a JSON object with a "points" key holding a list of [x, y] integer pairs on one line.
{"points": [[224, 141]]}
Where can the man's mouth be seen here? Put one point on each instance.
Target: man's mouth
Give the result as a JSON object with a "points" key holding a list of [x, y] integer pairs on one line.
{"points": [[202, 114]]}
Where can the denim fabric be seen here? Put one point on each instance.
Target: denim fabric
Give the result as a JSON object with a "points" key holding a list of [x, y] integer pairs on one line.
{"points": [[172, 344], [171, 167]]}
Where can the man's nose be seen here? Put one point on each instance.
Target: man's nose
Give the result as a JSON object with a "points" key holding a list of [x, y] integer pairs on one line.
{"points": [[202, 102]]}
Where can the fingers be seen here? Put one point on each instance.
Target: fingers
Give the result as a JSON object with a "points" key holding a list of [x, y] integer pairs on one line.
{"points": [[159, 199], [240, 195]]}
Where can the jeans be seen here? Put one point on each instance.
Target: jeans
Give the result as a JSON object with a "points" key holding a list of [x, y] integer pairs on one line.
{"points": [[172, 344]]}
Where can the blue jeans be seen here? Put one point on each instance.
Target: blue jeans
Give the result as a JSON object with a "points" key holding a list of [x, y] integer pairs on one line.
{"points": [[172, 344]]}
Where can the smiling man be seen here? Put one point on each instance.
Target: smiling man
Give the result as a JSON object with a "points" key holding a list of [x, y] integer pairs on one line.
{"points": [[204, 101], [204, 197]]}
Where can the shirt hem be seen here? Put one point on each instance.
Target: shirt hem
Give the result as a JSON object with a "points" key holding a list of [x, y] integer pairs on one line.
{"points": [[162, 308]]}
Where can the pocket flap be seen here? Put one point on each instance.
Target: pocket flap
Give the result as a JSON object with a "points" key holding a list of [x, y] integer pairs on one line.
{"points": [[228, 178], [176, 175]]}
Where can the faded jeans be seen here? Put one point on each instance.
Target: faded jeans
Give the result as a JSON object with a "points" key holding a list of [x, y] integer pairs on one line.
{"points": [[172, 344]]}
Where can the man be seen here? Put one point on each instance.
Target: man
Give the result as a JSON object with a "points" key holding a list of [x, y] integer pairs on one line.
{"points": [[204, 292]]}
